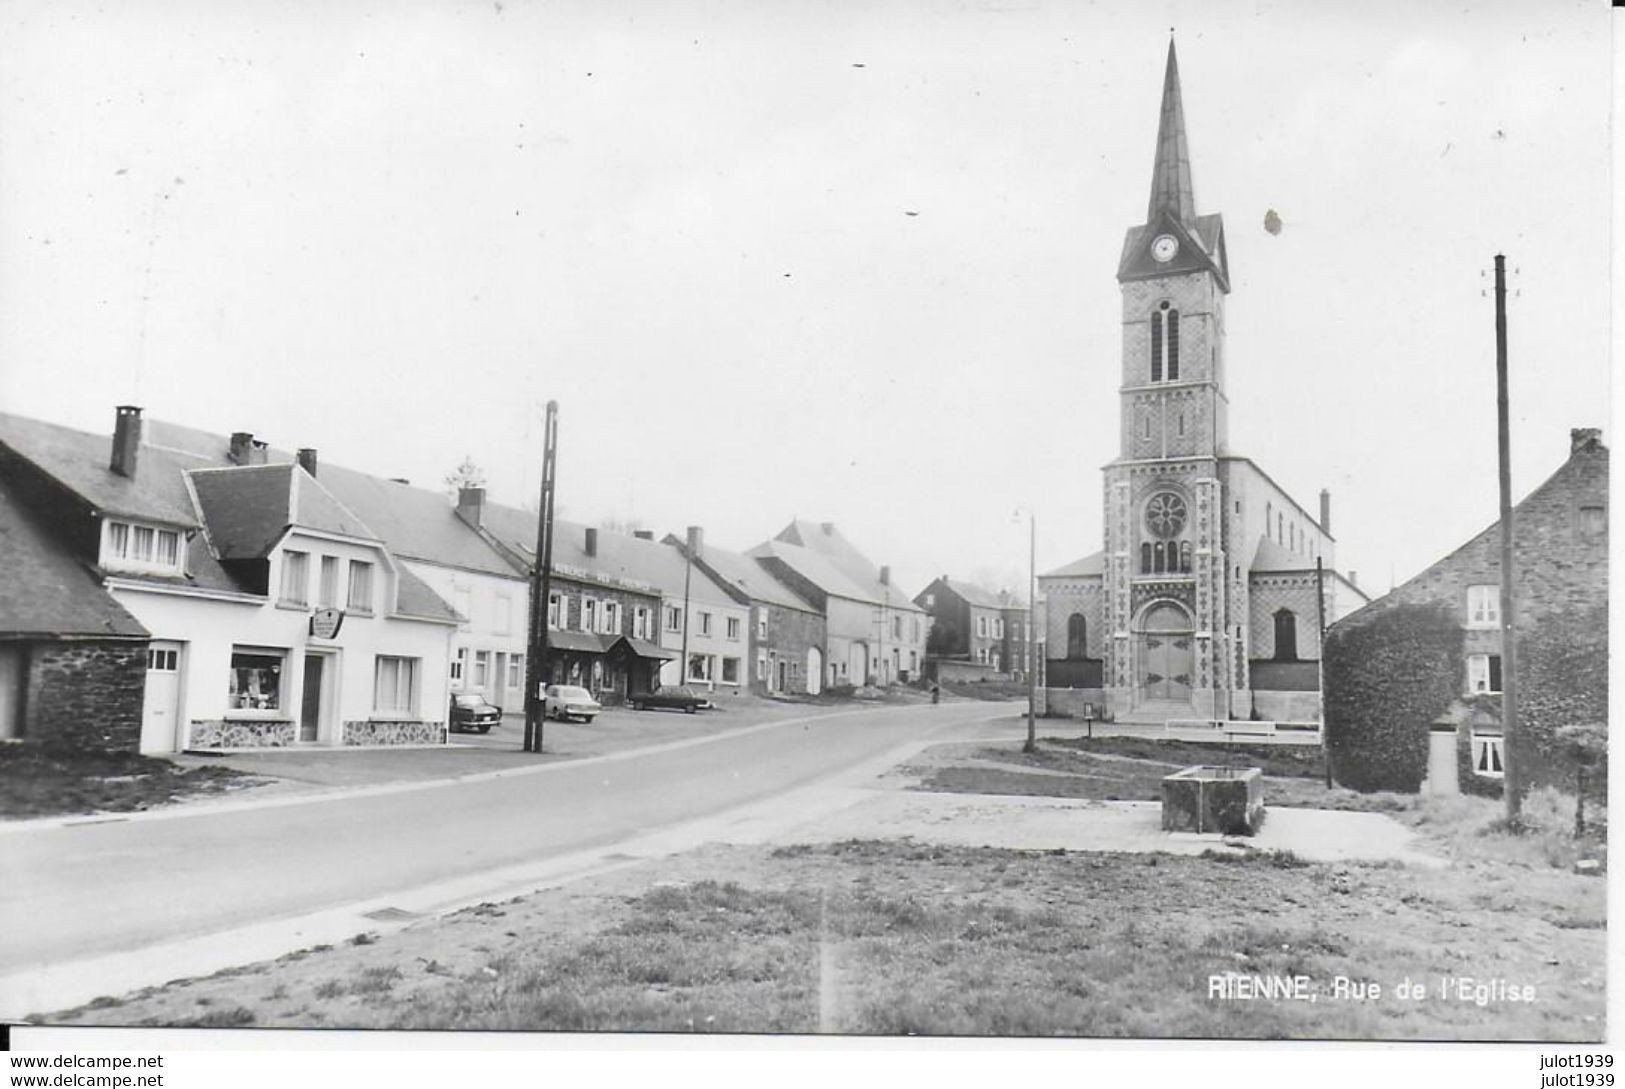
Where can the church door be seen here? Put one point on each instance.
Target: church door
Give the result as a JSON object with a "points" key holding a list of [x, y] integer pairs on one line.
{"points": [[1166, 654]]}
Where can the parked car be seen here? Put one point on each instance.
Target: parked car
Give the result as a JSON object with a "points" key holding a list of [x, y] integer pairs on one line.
{"points": [[472, 711], [566, 701], [672, 697]]}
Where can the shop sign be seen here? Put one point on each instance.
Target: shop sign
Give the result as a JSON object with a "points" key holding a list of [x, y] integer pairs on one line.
{"points": [[325, 623]]}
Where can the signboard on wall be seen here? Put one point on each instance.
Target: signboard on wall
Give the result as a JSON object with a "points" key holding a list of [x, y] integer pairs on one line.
{"points": [[325, 623]]}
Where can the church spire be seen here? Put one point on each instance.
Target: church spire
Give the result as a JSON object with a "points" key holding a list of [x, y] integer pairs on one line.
{"points": [[1171, 176]]}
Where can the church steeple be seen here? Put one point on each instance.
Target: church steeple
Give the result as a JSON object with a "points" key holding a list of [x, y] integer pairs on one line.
{"points": [[1171, 176]]}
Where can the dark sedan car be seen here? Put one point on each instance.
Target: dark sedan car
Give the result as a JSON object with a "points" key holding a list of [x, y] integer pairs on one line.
{"points": [[673, 698], [471, 711]]}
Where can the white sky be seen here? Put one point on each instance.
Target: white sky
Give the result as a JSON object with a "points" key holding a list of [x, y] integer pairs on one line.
{"points": [[392, 231]]}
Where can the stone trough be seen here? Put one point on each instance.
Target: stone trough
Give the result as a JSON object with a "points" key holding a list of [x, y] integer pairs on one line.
{"points": [[1211, 798]]}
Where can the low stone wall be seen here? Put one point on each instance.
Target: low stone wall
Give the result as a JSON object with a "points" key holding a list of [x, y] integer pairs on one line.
{"points": [[1070, 702], [241, 734], [1287, 706], [394, 732]]}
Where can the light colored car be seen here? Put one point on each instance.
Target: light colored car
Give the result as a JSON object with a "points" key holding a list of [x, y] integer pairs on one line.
{"points": [[566, 701]]}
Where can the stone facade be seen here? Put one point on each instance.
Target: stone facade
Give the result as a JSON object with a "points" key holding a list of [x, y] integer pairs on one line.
{"points": [[242, 734], [607, 678], [795, 639], [85, 693], [394, 732]]}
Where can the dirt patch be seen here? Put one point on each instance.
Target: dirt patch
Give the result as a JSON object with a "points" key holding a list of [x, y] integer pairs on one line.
{"points": [[895, 937], [36, 781]]}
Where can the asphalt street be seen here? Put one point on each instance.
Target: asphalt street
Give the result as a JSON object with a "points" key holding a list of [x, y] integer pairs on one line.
{"points": [[88, 890]]}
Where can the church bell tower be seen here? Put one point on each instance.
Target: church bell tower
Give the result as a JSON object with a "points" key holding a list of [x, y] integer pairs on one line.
{"points": [[1167, 654]]}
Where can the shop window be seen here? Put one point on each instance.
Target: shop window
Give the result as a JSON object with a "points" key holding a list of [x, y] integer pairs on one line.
{"points": [[699, 667], [395, 685], [256, 679], [730, 671]]}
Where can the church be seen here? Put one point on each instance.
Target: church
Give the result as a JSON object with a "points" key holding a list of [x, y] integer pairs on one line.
{"points": [[1209, 598]]}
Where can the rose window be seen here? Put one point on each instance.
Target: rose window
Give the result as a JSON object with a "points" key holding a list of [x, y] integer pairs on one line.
{"points": [[1165, 515]]}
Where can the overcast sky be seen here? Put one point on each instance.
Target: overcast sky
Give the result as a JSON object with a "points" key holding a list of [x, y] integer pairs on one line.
{"points": [[850, 262]]}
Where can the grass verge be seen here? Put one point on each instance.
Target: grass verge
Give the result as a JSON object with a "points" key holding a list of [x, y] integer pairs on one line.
{"points": [[37, 781]]}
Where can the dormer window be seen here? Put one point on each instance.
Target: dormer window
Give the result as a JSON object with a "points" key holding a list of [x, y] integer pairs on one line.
{"points": [[132, 547]]}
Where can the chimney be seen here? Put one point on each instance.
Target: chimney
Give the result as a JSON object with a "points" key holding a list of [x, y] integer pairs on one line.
{"points": [[470, 505], [307, 459], [696, 540], [591, 545], [126, 440], [242, 443], [885, 575], [1580, 438], [1325, 511], [644, 534]]}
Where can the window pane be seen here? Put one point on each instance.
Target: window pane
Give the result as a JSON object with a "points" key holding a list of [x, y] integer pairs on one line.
{"points": [[118, 539], [141, 544], [256, 681], [295, 577], [168, 547], [361, 585], [329, 593]]}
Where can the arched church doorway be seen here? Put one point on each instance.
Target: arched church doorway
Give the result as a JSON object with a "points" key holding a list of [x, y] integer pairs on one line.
{"points": [[1166, 655]]}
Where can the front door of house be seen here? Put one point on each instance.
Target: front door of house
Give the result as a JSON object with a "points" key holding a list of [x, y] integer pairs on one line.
{"points": [[1167, 654], [310, 707], [784, 677], [161, 699]]}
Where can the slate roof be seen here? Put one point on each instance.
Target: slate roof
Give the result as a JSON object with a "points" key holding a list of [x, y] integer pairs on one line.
{"points": [[748, 575], [1269, 556], [46, 592], [416, 523], [1092, 564], [79, 460], [974, 594], [860, 576], [650, 566]]}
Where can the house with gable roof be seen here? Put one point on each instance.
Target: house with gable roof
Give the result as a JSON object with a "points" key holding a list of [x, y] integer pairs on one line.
{"points": [[277, 616], [968, 636], [874, 633]]}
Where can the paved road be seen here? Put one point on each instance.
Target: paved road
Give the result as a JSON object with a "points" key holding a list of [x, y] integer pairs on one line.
{"points": [[83, 891]]}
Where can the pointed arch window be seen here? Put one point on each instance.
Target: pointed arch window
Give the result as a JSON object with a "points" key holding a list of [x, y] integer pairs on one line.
{"points": [[1286, 636]]}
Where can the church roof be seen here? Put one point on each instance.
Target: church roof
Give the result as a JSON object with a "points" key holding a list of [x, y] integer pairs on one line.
{"points": [[1171, 174], [1092, 564], [1269, 556]]}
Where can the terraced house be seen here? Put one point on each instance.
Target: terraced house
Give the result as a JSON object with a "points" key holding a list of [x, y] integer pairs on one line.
{"points": [[276, 615]]}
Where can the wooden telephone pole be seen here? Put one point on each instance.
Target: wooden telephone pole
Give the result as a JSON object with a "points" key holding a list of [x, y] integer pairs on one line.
{"points": [[541, 577], [1513, 783]]}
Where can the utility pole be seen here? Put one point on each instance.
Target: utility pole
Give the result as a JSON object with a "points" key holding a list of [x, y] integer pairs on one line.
{"points": [[541, 577], [1513, 783], [688, 576], [1320, 662], [1032, 631]]}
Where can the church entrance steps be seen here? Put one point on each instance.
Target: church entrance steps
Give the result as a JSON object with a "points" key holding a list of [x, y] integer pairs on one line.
{"points": [[1158, 712]]}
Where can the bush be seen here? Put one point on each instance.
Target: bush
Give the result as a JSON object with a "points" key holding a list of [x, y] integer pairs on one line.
{"points": [[1386, 679]]}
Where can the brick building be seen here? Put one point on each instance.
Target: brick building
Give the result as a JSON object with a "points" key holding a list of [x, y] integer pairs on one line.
{"points": [[1560, 560], [969, 631], [1202, 603]]}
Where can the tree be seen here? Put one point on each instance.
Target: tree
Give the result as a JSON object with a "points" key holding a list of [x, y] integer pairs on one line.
{"points": [[466, 475]]}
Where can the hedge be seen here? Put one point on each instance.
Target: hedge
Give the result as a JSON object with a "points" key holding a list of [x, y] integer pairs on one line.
{"points": [[1386, 679], [1562, 664]]}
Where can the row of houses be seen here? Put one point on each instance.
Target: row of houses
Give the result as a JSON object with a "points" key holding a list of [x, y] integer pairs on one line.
{"points": [[171, 589]]}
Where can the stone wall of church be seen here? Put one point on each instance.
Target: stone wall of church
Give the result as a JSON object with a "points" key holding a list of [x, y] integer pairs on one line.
{"points": [[1066, 596]]}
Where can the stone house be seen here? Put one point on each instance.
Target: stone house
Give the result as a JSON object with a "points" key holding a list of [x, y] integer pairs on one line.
{"points": [[276, 616], [1560, 558], [969, 639], [787, 635], [73, 661]]}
